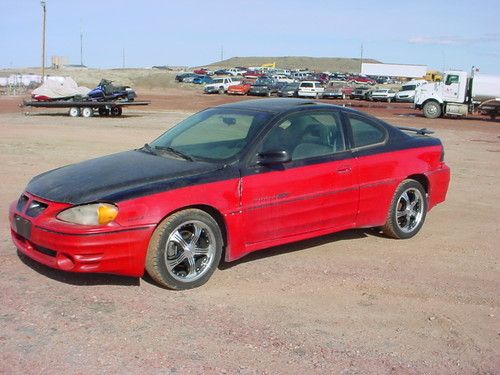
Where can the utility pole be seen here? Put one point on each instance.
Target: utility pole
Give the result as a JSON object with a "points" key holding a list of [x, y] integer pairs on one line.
{"points": [[361, 59], [43, 3], [81, 44]]}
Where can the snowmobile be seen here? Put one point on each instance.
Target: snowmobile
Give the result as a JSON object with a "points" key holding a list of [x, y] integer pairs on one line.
{"points": [[106, 91]]}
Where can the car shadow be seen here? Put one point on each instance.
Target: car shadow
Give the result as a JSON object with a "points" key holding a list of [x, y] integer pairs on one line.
{"points": [[65, 114], [303, 245], [82, 279]]}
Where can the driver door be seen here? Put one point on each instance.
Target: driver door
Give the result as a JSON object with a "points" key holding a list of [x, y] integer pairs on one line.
{"points": [[316, 190]]}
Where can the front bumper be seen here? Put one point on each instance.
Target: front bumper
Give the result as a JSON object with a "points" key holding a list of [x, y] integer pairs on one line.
{"points": [[259, 92], [211, 90], [116, 250]]}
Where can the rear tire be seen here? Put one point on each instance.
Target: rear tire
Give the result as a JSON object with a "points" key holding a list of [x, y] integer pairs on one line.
{"points": [[407, 211], [221, 90], [432, 109], [87, 112], [185, 250]]}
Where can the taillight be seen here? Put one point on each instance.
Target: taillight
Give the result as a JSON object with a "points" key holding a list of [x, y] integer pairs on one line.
{"points": [[442, 154]]}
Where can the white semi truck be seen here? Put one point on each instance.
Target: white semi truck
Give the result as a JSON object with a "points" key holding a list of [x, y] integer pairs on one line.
{"points": [[459, 94]]}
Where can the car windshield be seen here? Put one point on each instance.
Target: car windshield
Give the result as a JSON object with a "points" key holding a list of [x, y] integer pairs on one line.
{"points": [[408, 88], [263, 81], [213, 135], [218, 80], [292, 86]]}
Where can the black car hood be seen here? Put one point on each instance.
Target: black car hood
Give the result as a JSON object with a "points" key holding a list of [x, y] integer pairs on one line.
{"points": [[122, 176]]}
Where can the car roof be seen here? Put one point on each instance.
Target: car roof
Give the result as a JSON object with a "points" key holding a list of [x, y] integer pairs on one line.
{"points": [[283, 105], [277, 105]]}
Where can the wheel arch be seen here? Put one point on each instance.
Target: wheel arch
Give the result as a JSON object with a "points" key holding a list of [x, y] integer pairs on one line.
{"points": [[433, 99], [215, 214], [422, 179]]}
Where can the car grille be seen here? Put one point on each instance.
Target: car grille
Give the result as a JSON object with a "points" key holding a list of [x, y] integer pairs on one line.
{"points": [[35, 208]]}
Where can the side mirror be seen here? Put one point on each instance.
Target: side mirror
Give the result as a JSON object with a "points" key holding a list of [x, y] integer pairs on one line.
{"points": [[273, 157]]}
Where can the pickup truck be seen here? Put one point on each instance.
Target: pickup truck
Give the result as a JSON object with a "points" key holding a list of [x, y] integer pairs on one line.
{"points": [[220, 85], [236, 71]]}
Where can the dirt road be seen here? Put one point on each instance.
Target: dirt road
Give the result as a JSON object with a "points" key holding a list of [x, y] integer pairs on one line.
{"points": [[348, 303]]}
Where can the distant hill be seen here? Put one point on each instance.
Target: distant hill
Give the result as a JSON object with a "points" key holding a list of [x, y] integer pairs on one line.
{"points": [[321, 64]]}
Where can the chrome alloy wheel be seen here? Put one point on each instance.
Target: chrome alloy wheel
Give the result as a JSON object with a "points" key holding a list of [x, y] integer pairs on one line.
{"points": [[409, 210], [189, 251]]}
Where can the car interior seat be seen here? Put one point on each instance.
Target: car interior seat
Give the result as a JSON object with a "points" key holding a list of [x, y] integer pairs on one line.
{"points": [[314, 142]]}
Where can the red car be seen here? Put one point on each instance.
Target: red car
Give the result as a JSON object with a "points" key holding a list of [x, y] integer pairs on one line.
{"points": [[241, 89], [363, 80], [228, 181], [253, 74], [201, 71]]}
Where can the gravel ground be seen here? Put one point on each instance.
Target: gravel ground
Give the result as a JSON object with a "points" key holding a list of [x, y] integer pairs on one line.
{"points": [[347, 303]]}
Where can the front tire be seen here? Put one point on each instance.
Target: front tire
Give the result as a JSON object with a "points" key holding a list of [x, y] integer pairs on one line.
{"points": [[432, 109], [116, 111], [407, 211], [185, 250]]}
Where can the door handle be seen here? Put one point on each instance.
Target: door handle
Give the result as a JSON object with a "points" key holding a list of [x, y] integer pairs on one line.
{"points": [[344, 170]]}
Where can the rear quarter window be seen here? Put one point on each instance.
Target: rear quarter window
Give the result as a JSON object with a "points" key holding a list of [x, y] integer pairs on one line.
{"points": [[366, 132]]}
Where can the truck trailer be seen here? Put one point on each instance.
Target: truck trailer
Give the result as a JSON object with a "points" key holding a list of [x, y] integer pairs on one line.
{"points": [[460, 94]]}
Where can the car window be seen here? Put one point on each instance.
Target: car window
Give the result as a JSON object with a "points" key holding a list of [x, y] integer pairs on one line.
{"points": [[451, 79], [306, 135], [364, 132], [306, 84]]}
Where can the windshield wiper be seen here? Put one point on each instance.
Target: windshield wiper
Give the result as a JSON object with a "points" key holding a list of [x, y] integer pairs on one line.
{"points": [[175, 152], [147, 148]]}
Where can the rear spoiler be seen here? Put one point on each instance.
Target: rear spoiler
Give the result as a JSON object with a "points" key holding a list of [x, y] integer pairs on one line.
{"points": [[423, 131]]}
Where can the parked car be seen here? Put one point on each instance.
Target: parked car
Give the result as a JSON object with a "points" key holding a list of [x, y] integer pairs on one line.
{"points": [[360, 92], [228, 181], [221, 72], [190, 79], [361, 80], [202, 80], [219, 85], [282, 78], [182, 76], [203, 71], [407, 92], [385, 95], [310, 89], [301, 76], [242, 88], [321, 77], [289, 90], [253, 74], [236, 71], [337, 91], [338, 76], [264, 86]]}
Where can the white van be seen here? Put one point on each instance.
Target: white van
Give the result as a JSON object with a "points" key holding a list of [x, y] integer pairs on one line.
{"points": [[407, 92], [300, 75], [310, 89]]}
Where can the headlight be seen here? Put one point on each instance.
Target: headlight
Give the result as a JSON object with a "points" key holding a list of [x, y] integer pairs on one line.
{"points": [[90, 214]]}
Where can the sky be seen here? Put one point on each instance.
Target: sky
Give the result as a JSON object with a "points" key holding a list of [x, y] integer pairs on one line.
{"points": [[441, 34]]}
